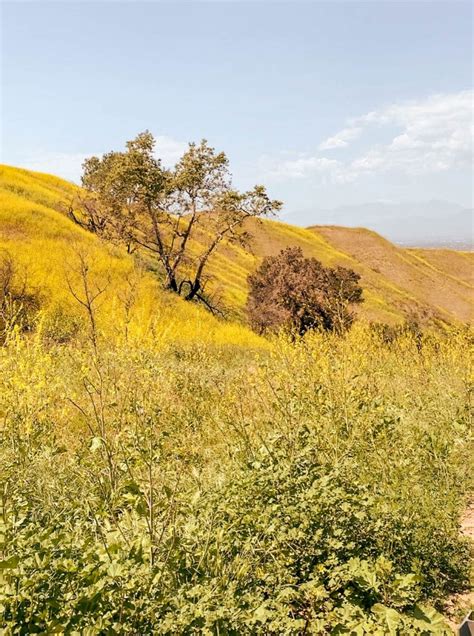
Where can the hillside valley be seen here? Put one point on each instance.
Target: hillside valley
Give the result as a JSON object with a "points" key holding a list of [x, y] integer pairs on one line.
{"points": [[167, 470], [429, 284]]}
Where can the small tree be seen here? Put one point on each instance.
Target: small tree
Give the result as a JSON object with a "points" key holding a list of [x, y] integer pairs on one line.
{"points": [[298, 293], [87, 294], [179, 216]]}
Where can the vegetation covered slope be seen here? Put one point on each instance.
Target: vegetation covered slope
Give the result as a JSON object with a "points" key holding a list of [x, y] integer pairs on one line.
{"points": [[179, 474], [436, 281], [48, 250], [431, 284], [427, 284]]}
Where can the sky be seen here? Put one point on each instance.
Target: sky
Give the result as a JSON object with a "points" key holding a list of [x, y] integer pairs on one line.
{"points": [[326, 103]]}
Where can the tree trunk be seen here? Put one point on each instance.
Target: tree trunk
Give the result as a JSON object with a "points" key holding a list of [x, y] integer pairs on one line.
{"points": [[171, 282], [195, 287]]}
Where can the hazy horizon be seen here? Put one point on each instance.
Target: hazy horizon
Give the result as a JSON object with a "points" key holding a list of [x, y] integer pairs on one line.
{"points": [[327, 104]]}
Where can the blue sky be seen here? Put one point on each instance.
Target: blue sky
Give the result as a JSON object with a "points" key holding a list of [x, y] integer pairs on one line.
{"points": [[327, 103]]}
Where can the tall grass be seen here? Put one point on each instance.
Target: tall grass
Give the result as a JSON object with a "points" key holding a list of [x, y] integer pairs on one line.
{"points": [[210, 487], [48, 249], [163, 471]]}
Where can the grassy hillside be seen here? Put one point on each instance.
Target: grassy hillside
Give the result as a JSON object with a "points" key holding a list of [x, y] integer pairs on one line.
{"points": [[434, 284], [180, 474], [48, 248]]}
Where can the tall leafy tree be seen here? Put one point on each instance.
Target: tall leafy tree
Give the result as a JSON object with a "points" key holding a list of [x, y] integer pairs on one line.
{"points": [[179, 216]]}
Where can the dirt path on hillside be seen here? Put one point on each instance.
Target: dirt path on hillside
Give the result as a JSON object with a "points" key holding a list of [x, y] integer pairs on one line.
{"points": [[467, 524], [463, 602]]}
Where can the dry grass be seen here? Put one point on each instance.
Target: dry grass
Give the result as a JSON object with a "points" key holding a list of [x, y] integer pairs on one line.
{"points": [[47, 248], [435, 284]]}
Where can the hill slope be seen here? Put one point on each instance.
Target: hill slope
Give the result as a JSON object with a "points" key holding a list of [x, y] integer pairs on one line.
{"points": [[433, 283], [438, 282], [47, 249]]}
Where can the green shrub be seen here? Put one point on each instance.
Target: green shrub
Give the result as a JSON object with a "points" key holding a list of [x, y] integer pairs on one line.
{"points": [[315, 487]]}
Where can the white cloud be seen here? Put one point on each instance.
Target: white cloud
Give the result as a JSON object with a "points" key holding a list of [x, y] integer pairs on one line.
{"points": [[61, 164], [169, 150], [341, 139], [432, 135], [299, 168]]}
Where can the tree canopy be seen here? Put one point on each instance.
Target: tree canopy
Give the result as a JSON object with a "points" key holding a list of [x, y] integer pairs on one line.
{"points": [[298, 293], [134, 199]]}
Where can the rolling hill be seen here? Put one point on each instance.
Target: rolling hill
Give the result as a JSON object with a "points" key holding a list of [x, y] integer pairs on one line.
{"points": [[167, 471], [435, 284], [433, 223], [47, 248]]}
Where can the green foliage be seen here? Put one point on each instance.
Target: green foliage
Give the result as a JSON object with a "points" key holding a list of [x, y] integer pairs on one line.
{"points": [[133, 199], [284, 547], [313, 488]]}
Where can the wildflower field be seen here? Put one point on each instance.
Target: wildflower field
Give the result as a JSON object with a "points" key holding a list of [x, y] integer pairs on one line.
{"points": [[164, 471], [198, 487]]}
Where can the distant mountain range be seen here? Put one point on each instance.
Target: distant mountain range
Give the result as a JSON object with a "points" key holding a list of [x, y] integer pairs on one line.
{"points": [[429, 223]]}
